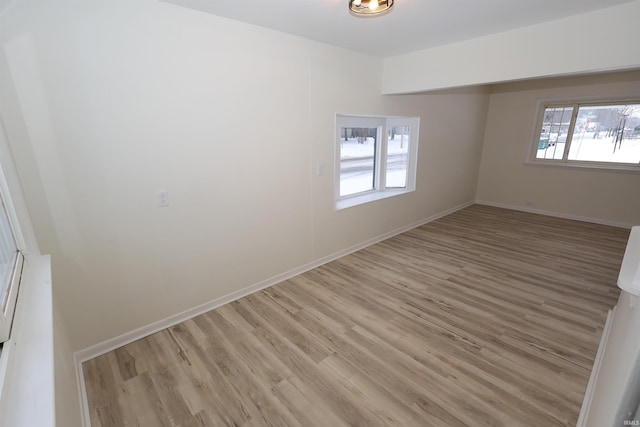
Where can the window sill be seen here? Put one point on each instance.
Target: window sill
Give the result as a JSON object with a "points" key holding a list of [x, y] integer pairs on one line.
{"points": [[607, 167], [369, 197], [26, 360]]}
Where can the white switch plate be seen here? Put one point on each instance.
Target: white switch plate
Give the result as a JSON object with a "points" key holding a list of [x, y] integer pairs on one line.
{"points": [[163, 198]]}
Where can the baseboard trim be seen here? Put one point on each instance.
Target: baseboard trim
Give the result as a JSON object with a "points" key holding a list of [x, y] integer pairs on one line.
{"points": [[99, 349], [556, 214], [593, 378]]}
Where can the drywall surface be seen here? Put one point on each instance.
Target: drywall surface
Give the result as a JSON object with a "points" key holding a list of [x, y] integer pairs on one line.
{"points": [[231, 120], [68, 413], [602, 40], [505, 178]]}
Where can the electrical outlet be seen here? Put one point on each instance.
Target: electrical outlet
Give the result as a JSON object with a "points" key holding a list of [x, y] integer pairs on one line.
{"points": [[163, 198]]}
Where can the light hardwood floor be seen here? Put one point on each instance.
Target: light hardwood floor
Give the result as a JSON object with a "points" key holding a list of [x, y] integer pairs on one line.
{"points": [[484, 317]]}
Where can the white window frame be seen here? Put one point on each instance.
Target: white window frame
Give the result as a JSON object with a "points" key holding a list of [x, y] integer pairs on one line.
{"points": [[7, 312], [380, 189], [576, 103]]}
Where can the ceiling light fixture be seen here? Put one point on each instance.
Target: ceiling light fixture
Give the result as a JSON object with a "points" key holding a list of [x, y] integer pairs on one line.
{"points": [[370, 7]]}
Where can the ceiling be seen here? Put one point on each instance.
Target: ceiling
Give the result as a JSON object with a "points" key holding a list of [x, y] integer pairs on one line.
{"points": [[411, 25]]}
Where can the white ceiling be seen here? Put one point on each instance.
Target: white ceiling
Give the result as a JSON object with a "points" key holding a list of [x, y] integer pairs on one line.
{"points": [[411, 25]]}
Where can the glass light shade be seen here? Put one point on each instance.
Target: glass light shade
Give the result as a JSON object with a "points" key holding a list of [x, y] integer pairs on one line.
{"points": [[370, 7]]}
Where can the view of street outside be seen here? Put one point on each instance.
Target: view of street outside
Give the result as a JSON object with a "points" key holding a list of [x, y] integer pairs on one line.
{"points": [[357, 163], [587, 146], [601, 133]]}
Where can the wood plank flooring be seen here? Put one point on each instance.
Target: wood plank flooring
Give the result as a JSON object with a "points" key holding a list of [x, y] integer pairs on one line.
{"points": [[487, 317]]}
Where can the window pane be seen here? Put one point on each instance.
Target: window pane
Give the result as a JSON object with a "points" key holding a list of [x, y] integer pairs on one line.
{"points": [[398, 156], [8, 256], [607, 133], [357, 159], [553, 135]]}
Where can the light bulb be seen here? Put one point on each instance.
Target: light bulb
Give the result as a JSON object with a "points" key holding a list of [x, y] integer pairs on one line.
{"points": [[373, 4], [357, 2]]}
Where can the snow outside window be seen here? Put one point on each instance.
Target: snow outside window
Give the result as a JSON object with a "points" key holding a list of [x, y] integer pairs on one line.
{"points": [[375, 158], [599, 134]]}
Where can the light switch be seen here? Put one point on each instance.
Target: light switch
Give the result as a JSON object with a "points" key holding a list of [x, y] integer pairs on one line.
{"points": [[163, 198]]}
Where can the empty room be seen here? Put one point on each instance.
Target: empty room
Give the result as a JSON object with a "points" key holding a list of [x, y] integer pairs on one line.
{"points": [[327, 213]]}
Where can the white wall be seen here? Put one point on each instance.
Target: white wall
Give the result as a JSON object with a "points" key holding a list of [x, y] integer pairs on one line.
{"points": [[68, 412], [616, 392], [604, 196], [231, 119], [601, 40]]}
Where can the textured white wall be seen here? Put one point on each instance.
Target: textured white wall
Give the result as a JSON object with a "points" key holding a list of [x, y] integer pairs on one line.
{"points": [[605, 196], [605, 39]]}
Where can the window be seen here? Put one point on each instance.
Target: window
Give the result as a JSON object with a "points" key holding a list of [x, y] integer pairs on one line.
{"points": [[10, 264], [603, 134], [375, 158]]}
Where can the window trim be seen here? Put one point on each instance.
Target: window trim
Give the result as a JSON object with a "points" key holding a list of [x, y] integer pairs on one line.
{"points": [[379, 190], [7, 312], [576, 103]]}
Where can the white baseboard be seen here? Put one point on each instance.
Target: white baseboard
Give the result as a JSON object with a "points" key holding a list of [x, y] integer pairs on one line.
{"points": [[144, 331], [556, 214], [593, 378]]}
